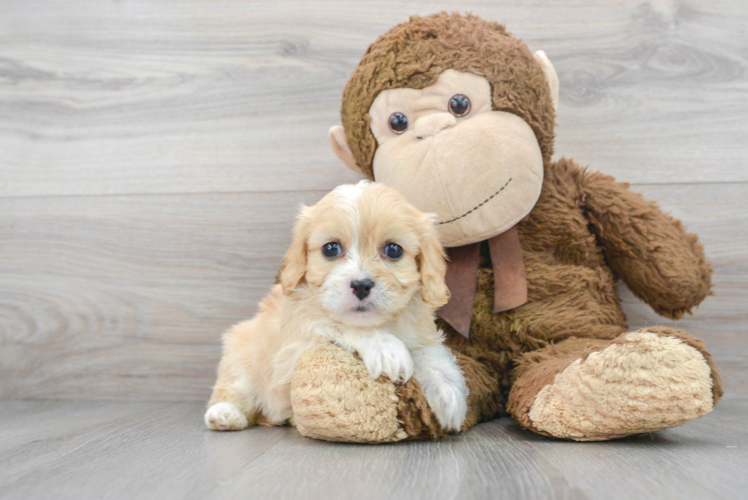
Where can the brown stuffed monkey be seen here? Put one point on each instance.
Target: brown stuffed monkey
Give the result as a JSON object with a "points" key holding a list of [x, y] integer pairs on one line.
{"points": [[458, 115]]}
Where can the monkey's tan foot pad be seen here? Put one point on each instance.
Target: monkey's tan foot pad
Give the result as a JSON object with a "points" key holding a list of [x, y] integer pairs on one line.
{"points": [[644, 381], [334, 398]]}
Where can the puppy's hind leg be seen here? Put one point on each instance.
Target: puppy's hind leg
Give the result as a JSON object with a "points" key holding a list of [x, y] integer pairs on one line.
{"points": [[225, 417], [233, 405], [443, 384], [247, 347]]}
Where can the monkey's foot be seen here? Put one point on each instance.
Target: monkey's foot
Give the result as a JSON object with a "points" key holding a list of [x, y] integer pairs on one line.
{"points": [[643, 381], [334, 398]]}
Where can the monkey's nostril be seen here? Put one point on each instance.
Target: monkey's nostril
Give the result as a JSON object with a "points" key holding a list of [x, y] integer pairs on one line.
{"points": [[362, 288]]}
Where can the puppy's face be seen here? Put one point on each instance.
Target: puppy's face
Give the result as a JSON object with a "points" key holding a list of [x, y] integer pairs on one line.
{"points": [[365, 252]]}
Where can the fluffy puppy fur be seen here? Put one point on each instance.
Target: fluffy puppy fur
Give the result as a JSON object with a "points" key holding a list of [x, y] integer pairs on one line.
{"points": [[365, 270]]}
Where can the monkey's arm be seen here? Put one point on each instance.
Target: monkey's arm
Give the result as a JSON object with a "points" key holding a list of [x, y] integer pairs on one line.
{"points": [[649, 250]]}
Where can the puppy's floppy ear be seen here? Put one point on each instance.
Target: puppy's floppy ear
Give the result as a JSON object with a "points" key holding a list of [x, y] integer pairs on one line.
{"points": [[293, 267], [432, 266]]}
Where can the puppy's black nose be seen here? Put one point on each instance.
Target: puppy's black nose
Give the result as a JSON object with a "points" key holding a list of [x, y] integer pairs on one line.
{"points": [[361, 288]]}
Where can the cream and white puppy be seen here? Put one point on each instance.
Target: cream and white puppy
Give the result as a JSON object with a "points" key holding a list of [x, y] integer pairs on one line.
{"points": [[366, 271]]}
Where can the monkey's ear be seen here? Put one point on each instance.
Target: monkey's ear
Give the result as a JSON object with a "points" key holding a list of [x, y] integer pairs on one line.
{"points": [[339, 146], [550, 75]]}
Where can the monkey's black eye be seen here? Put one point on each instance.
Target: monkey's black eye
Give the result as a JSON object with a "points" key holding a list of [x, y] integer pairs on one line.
{"points": [[393, 251], [459, 105], [331, 250], [398, 122]]}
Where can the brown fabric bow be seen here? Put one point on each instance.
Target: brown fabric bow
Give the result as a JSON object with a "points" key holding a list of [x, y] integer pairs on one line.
{"points": [[510, 284]]}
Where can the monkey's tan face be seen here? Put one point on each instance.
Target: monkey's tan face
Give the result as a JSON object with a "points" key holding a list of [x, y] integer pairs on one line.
{"points": [[451, 154]]}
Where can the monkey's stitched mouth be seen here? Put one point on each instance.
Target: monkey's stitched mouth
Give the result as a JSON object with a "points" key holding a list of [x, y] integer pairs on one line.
{"points": [[477, 206]]}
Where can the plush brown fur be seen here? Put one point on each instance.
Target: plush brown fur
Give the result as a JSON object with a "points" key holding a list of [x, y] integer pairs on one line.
{"points": [[585, 232]]}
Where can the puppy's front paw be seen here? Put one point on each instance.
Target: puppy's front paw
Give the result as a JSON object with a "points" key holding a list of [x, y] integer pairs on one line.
{"points": [[225, 417], [449, 403], [386, 355], [443, 384]]}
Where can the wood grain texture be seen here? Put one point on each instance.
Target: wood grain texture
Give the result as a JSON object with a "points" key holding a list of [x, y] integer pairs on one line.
{"points": [[193, 96], [152, 155], [102, 450], [126, 296]]}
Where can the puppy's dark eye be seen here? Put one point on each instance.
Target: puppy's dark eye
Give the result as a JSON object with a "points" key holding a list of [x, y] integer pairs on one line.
{"points": [[459, 105], [393, 251], [398, 122], [331, 250]]}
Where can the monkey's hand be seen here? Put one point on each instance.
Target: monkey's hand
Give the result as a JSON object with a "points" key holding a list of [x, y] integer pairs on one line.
{"points": [[649, 250]]}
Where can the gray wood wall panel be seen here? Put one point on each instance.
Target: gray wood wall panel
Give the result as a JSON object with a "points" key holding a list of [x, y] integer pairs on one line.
{"points": [[152, 155], [192, 96]]}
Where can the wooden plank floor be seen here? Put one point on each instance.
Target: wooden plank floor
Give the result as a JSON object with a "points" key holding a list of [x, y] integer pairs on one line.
{"points": [[100, 450]]}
